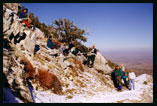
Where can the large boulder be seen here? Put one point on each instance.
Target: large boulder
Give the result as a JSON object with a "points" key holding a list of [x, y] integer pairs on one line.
{"points": [[101, 64]]}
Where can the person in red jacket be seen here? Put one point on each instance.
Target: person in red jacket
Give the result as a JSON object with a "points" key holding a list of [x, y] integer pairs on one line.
{"points": [[24, 18]]}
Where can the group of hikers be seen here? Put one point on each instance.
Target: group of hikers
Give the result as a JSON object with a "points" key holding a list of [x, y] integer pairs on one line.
{"points": [[65, 49], [120, 74]]}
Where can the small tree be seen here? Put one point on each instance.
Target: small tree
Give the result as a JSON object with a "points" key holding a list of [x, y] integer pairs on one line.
{"points": [[66, 31]]}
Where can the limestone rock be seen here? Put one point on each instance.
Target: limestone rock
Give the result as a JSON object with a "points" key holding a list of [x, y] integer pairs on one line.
{"points": [[101, 63]]}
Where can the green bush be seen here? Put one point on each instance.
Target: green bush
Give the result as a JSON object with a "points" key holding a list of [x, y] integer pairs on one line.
{"points": [[111, 64]]}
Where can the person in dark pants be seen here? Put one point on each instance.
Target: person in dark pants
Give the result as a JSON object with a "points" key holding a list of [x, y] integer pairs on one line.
{"points": [[118, 74], [125, 78], [113, 77], [91, 58]]}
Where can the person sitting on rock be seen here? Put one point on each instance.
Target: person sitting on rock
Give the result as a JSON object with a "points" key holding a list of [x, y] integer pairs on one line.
{"points": [[118, 74], [53, 44], [74, 51], [66, 50], [24, 18], [71, 45], [91, 56], [125, 78], [132, 77], [50, 44]]}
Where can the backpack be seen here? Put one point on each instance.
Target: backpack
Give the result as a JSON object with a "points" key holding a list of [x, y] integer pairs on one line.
{"points": [[95, 51]]}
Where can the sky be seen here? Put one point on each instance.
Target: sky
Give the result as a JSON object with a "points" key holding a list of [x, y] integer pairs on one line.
{"points": [[111, 26]]}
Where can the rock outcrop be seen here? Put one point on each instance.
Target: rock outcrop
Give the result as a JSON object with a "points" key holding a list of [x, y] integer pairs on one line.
{"points": [[15, 76]]}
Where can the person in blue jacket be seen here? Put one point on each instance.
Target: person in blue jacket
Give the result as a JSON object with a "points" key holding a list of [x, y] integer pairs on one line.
{"points": [[50, 44]]}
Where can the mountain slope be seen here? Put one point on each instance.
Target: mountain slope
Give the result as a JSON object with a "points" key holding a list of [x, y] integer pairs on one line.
{"points": [[45, 77]]}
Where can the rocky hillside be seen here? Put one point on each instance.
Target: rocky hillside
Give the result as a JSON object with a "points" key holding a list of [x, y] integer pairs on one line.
{"points": [[48, 74]]}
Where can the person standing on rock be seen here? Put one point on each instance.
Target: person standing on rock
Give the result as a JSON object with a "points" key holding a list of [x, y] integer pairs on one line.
{"points": [[91, 57], [125, 78], [132, 77], [118, 74], [113, 77]]}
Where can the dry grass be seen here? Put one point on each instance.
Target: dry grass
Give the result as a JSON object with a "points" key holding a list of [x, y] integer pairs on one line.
{"points": [[45, 78], [29, 69], [80, 65], [49, 80]]}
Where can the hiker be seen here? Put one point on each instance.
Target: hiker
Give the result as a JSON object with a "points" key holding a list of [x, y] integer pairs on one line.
{"points": [[50, 43], [118, 74], [132, 77], [74, 51], [53, 44], [24, 18], [113, 77], [125, 78], [122, 67], [71, 45], [91, 56], [66, 50]]}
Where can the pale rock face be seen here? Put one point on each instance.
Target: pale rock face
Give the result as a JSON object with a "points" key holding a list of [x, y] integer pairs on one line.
{"points": [[15, 75], [12, 6], [101, 64]]}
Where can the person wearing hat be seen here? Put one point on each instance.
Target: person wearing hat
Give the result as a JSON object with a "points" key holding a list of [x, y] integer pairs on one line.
{"points": [[118, 74], [91, 58]]}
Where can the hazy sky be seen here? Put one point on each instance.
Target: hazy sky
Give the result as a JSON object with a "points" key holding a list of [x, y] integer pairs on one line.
{"points": [[112, 26]]}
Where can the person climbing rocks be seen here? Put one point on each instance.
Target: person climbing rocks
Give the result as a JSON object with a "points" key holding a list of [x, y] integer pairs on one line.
{"points": [[91, 56], [118, 74], [24, 18], [132, 77], [113, 78], [125, 78]]}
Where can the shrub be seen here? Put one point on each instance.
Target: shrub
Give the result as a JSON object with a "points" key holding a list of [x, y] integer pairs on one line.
{"points": [[111, 64], [49, 80], [80, 65], [28, 67]]}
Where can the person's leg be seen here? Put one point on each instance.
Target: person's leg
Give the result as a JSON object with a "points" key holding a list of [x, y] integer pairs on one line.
{"points": [[133, 84], [93, 58], [124, 79], [130, 84], [27, 24], [88, 62], [115, 83]]}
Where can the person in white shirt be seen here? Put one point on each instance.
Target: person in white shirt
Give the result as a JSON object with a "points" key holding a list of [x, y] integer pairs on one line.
{"points": [[132, 77]]}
